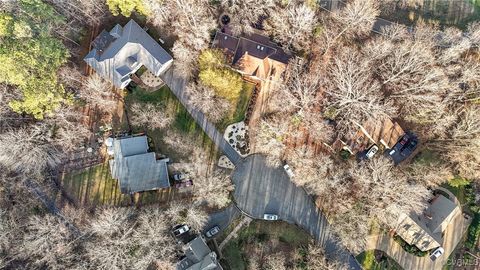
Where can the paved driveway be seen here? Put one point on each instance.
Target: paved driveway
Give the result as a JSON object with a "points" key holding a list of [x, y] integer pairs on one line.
{"points": [[262, 189], [222, 218], [452, 236]]}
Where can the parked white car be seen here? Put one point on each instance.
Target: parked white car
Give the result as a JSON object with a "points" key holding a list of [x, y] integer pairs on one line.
{"points": [[180, 229], [436, 253], [288, 170], [372, 151], [270, 217]]}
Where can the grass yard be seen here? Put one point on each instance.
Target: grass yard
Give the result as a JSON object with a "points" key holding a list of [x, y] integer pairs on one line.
{"points": [[270, 237], [369, 262], [240, 106], [183, 122], [94, 186]]}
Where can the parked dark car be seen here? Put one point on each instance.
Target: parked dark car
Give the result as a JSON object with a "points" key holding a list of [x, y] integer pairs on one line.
{"points": [[403, 148], [184, 184]]}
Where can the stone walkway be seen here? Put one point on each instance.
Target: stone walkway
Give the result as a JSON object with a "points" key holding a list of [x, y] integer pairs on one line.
{"points": [[245, 221]]}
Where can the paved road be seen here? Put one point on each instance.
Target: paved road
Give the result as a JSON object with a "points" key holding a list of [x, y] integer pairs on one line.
{"points": [[261, 189], [177, 84]]}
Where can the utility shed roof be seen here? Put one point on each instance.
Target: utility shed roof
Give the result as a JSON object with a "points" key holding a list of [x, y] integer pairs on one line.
{"points": [[136, 169]]}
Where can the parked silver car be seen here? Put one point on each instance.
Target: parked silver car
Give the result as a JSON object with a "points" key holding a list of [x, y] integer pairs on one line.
{"points": [[270, 217], [213, 231], [288, 170]]}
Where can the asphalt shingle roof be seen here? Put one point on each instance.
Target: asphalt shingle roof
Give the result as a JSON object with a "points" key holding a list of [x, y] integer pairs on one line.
{"points": [[122, 51], [135, 168]]}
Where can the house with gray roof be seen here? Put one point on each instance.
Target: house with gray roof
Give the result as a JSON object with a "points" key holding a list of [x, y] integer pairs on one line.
{"points": [[426, 231], [135, 168], [198, 256], [117, 54]]}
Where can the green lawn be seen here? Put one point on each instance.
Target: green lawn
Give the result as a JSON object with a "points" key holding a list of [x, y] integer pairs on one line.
{"points": [[289, 237], [368, 261], [95, 186], [240, 106], [183, 121]]}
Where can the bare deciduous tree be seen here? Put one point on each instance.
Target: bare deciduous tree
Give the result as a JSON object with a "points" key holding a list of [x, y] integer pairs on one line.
{"points": [[316, 260], [150, 116], [203, 98], [109, 246], [211, 187], [352, 92], [293, 25], [462, 146], [300, 90], [191, 21], [308, 166], [269, 138], [98, 92], [355, 20], [245, 13], [47, 242], [151, 235], [28, 150]]}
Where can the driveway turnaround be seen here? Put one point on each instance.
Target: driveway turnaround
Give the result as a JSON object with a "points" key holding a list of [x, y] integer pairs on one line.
{"points": [[262, 189]]}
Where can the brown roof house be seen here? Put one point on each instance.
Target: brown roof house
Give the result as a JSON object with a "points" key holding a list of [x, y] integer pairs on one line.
{"points": [[386, 133], [117, 54], [254, 56], [426, 231]]}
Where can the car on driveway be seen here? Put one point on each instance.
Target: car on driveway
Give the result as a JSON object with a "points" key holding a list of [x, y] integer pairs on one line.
{"points": [[270, 217], [403, 148], [178, 176], [184, 184], [180, 229], [213, 231], [288, 170], [372, 151], [436, 253]]}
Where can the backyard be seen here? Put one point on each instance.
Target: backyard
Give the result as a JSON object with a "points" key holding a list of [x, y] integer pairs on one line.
{"points": [[94, 186], [448, 13], [263, 238]]}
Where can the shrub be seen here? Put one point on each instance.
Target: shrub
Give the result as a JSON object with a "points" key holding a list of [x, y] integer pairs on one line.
{"points": [[459, 182], [213, 73]]}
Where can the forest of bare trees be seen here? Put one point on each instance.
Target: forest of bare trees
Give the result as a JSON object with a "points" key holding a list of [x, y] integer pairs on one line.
{"points": [[340, 76]]}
